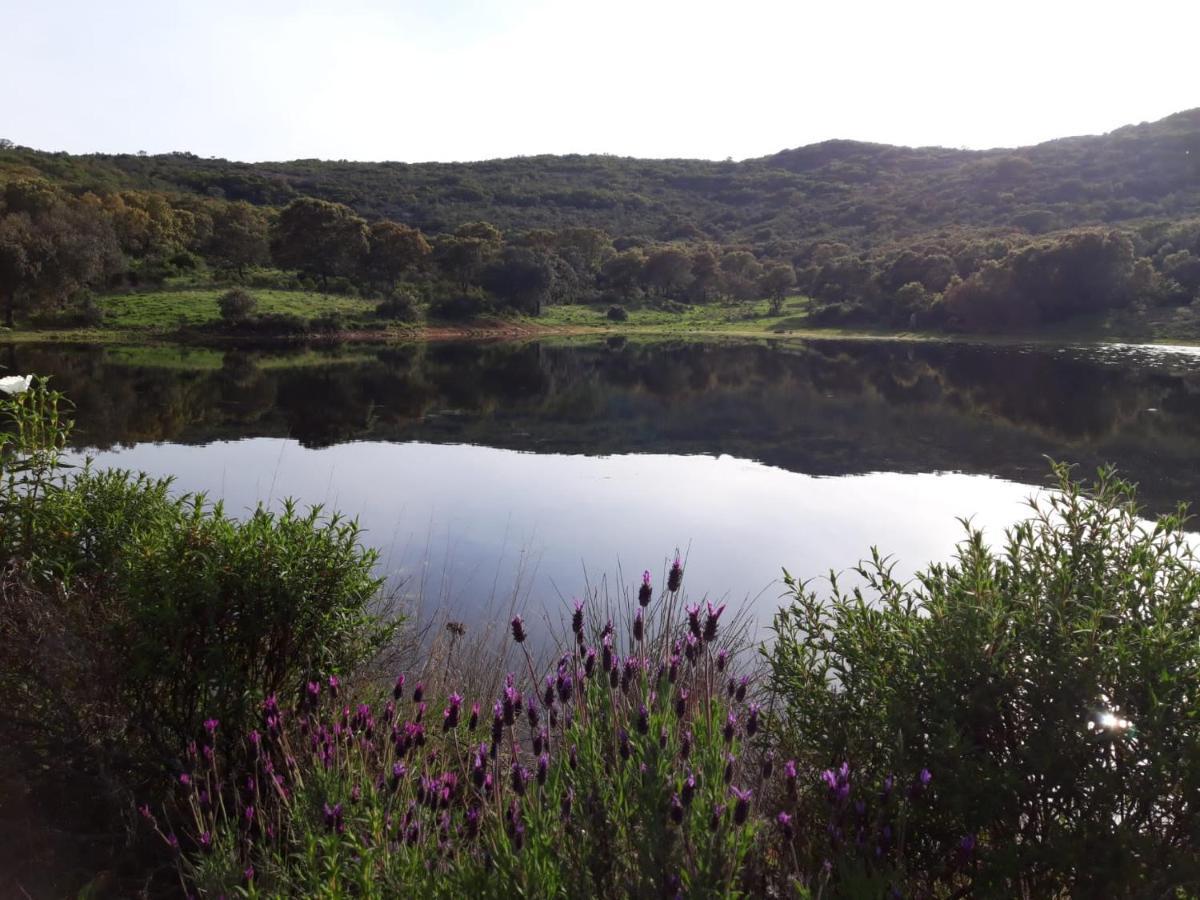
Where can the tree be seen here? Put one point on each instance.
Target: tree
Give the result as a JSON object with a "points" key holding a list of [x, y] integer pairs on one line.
{"points": [[51, 247], [667, 270], [239, 236], [776, 281], [521, 278], [740, 271], [394, 250], [463, 255], [319, 238], [622, 273]]}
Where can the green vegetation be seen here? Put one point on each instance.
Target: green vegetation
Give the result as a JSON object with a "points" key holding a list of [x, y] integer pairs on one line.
{"points": [[1021, 721], [130, 616], [879, 237], [1049, 685], [167, 310]]}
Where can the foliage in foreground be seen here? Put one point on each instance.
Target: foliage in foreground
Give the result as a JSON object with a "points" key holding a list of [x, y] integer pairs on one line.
{"points": [[1050, 685], [648, 775], [130, 614]]}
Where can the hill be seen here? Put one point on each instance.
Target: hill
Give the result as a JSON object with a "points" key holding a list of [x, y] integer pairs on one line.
{"points": [[877, 235], [862, 194]]}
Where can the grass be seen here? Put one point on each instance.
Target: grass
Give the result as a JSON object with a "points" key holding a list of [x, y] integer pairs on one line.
{"points": [[163, 309], [751, 316]]}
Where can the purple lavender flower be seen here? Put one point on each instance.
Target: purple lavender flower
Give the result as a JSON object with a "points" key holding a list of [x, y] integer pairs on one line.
{"points": [[398, 688], [675, 575], [628, 672], [768, 764], [450, 713], [966, 847], [722, 659], [543, 768], [473, 721], [398, 772], [712, 616], [638, 626], [589, 661], [623, 741], [472, 822], [498, 716], [210, 725], [419, 692], [676, 809], [730, 759], [741, 806], [566, 687], [730, 727], [718, 814], [685, 745], [520, 778], [568, 798], [673, 668], [185, 780], [512, 702], [538, 742], [531, 710], [606, 653], [643, 719], [784, 822], [752, 720], [248, 873], [645, 591], [691, 648], [740, 694], [693, 614], [334, 819], [688, 790], [577, 620], [518, 629], [334, 685]]}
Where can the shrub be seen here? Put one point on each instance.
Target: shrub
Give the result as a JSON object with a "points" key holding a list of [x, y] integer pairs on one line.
{"points": [[188, 613], [459, 307], [400, 305], [617, 313], [328, 322], [1048, 686], [236, 306]]}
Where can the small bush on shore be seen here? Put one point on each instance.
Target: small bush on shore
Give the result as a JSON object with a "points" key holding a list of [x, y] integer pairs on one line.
{"points": [[131, 614], [1049, 686]]}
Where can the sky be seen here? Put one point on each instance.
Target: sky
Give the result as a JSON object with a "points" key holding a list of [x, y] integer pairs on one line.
{"points": [[454, 80]]}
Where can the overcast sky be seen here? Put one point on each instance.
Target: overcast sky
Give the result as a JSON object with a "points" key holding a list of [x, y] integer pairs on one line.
{"points": [[472, 79]]}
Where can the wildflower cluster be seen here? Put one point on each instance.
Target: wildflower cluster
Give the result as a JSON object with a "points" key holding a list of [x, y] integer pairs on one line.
{"points": [[636, 773]]}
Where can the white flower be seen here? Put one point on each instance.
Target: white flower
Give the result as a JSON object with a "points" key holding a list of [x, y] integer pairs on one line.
{"points": [[15, 384]]}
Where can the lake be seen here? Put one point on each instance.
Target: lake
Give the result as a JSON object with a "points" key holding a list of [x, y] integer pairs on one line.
{"points": [[530, 472]]}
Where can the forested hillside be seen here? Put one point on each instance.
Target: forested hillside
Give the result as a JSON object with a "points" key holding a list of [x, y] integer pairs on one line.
{"points": [[876, 234]]}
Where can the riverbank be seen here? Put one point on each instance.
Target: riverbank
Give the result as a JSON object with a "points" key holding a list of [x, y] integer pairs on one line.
{"points": [[189, 316]]}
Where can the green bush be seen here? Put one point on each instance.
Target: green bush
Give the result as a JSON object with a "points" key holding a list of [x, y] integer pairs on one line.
{"points": [[194, 614], [236, 306], [1049, 687], [400, 305]]}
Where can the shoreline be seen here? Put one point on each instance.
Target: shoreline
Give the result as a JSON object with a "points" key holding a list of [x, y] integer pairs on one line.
{"points": [[523, 330]]}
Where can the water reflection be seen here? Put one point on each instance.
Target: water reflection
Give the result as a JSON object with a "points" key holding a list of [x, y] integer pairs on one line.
{"points": [[625, 450], [829, 408]]}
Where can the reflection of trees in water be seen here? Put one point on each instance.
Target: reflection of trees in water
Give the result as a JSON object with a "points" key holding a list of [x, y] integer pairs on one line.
{"points": [[822, 407]]}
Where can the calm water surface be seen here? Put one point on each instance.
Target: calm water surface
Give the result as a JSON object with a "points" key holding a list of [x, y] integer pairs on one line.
{"points": [[486, 470]]}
